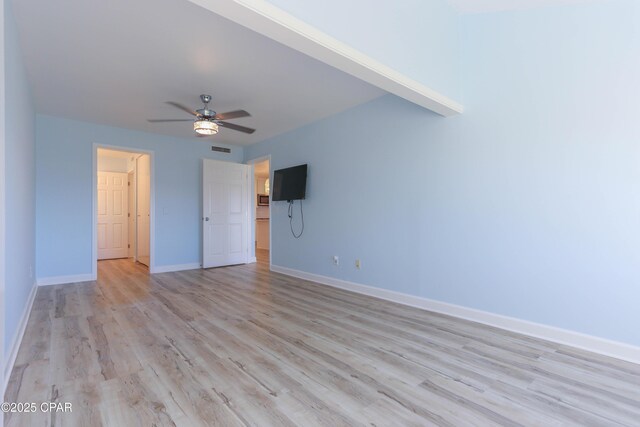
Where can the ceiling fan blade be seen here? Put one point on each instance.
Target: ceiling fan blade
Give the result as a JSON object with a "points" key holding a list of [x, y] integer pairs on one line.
{"points": [[231, 115], [168, 120], [236, 127], [183, 108]]}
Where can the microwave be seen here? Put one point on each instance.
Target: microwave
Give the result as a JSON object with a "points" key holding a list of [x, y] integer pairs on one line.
{"points": [[263, 200]]}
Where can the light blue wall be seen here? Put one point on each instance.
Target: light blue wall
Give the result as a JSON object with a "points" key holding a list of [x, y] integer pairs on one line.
{"points": [[418, 38], [527, 205], [20, 182], [64, 151], [354, 208]]}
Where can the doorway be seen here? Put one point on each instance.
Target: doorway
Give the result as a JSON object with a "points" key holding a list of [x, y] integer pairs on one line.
{"points": [[262, 199], [123, 206], [143, 210]]}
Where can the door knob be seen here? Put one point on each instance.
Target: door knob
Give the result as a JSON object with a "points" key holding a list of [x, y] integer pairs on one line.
{"points": [[206, 218]]}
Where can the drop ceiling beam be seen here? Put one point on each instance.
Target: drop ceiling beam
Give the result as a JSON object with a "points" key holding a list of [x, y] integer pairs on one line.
{"points": [[272, 22]]}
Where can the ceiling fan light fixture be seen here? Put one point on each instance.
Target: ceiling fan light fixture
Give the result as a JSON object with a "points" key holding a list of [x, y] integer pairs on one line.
{"points": [[205, 127]]}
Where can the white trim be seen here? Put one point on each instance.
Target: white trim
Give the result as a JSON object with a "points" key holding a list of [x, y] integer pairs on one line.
{"points": [[274, 23], [3, 173], [251, 210], [94, 206], [251, 213], [252, 260], [579, 340], [17, 339], [176, 267], [63, 280]]}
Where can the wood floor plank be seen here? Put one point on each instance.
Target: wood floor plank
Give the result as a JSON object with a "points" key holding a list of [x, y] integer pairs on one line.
{"points": [[242, 346], [29, 382]]}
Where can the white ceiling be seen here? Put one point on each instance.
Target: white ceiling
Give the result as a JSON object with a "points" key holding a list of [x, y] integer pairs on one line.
{"points": [[480, 6], [116, 62]]}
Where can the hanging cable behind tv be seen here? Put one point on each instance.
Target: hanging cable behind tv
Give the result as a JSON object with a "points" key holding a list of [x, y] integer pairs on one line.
{"points": [[290, 214]]}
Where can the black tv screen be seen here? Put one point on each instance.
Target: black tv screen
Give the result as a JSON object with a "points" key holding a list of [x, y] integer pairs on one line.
{"points": [[289, 183]]}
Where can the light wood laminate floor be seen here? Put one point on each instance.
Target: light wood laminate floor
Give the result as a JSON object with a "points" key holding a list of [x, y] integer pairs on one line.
{"points": [[242, 346]]}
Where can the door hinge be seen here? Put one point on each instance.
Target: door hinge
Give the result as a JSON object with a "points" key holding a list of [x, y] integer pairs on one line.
{"points": [[129, 183], [129, 215], [128, 246]]}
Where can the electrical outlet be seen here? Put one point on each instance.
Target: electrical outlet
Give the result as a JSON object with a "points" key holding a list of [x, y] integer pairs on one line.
{"points": [[336, 260], [358, 264]]}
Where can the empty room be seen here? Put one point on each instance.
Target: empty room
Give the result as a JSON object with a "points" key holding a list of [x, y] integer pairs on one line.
{"points": [[338, 213]]}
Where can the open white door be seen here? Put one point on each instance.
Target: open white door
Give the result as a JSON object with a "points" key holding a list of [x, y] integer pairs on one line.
{"points": [[225, 213], [112, 215]]}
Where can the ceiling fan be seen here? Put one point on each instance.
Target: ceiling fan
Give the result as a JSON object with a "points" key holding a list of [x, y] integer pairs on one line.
{"points": [[207, 121]]}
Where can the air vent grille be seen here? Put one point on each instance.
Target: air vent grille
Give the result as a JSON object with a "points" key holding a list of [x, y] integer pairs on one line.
{"points": [[220, 149]]}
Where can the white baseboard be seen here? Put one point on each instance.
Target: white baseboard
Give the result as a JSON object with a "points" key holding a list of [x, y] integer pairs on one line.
{"points": [[17, 339], [252, 260], [61, 280], [177, 267], [579, 340]]}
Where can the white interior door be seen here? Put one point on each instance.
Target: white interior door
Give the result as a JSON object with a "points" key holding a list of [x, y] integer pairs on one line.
{"points": [[113, 236], [131, 215], [143, 208], [225, 213]]}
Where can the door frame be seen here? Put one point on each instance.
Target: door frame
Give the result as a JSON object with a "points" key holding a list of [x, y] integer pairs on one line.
{"points": [[252, 213], [133, 235], [94, 202]]}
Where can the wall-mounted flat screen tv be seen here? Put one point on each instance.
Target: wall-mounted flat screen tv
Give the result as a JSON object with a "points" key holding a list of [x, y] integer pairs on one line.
{"points": [[290, 183]]}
